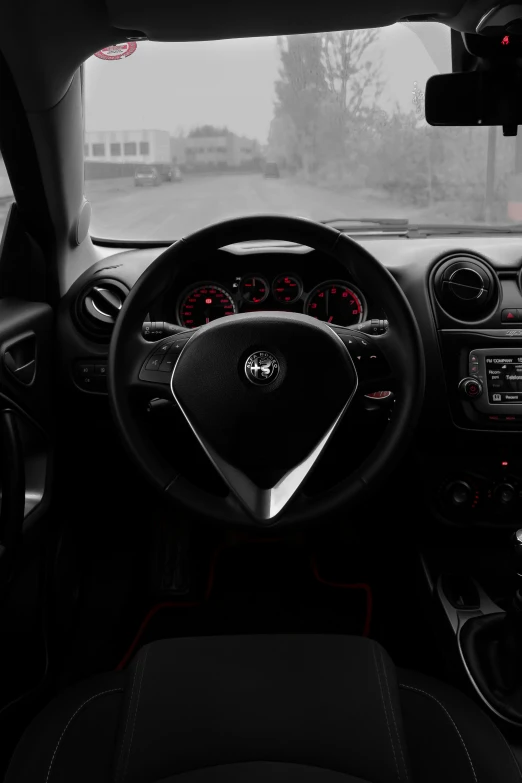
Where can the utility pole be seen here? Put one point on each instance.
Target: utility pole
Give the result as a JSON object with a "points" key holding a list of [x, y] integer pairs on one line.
{"points": [[515, 184], [490, 173]]}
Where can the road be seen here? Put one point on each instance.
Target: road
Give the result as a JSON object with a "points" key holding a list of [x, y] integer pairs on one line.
{"points": [[122, 211], [176, 209]]}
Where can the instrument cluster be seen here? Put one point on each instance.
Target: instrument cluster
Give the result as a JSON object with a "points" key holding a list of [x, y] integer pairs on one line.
{"points": [[334, 301]]}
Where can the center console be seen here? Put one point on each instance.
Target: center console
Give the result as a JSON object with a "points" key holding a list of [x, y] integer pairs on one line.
{"points": [[493, 386], [478, 312]]}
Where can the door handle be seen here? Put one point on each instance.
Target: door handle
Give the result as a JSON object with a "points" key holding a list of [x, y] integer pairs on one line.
{"points": [[19, 358]]}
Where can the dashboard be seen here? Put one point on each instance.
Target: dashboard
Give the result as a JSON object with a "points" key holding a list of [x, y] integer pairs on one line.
{"points": [[221, 286], [466, 295], [333, 301]]}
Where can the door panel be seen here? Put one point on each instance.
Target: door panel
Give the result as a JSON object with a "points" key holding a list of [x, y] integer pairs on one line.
{"points": [[25, 422]]}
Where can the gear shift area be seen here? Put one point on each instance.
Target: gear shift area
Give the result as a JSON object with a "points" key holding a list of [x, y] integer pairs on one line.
{"points": [[489, 639]]}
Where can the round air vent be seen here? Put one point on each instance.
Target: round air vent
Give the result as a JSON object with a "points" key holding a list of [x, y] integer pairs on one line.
{"points": [[98, 306], [465, 287]]}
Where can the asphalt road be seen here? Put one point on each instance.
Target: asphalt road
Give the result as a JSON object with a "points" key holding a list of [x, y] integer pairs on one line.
{"points": [[172, 210]]}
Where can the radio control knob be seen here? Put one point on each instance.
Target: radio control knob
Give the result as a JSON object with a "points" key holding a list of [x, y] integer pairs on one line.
{"points": [[470, 388]]}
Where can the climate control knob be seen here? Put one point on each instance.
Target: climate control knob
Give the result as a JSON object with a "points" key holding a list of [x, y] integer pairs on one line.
{"points": [[505, 495], [470, 388], [459, 494]]}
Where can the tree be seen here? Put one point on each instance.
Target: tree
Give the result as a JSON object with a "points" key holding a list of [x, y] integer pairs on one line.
{"points": [[206, 131], [326, 90], [300, 91]]}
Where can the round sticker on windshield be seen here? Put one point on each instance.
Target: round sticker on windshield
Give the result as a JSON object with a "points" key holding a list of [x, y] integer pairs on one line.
{"points": [[117, 51]]}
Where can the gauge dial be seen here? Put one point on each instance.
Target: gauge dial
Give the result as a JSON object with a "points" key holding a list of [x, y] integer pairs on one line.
{"points": [[287, 289], [203, 304], [336, 302], [254, 288]]}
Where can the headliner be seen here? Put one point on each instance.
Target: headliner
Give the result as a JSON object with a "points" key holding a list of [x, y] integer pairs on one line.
{"points": [[44, 41]]}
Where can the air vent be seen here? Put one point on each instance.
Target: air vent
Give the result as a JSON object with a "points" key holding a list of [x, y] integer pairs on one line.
{"points": [[98, 306], [465, 287]]}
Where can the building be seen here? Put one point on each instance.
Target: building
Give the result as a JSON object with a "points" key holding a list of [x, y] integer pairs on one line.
{"points": [[139, 146], [227, 151]]}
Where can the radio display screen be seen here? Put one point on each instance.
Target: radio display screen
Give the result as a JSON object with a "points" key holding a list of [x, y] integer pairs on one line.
{"points": [[504, 379]]}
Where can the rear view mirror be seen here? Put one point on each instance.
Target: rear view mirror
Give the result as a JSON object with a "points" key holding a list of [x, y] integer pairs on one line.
{"points": [[475, 98]]}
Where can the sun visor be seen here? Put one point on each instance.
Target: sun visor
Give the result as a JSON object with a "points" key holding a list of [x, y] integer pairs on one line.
{"points": [[163, 20]]}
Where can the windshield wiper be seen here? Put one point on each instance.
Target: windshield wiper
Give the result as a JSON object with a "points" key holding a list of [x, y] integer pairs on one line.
{"points": [[404, 227], [363, 222], [465, 228]]}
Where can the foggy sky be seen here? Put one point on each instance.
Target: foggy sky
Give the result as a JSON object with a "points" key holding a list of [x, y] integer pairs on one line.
{"points": [[171, 86]]}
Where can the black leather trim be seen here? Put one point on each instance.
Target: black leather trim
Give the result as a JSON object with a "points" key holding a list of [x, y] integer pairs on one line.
{"points": [[74, 737], [263, 772], [449, 737], [263, 708], [322, 701]]}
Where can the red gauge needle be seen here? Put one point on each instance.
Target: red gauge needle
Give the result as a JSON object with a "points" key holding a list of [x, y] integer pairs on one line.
{"points": [[207, 320], [330, 319]]}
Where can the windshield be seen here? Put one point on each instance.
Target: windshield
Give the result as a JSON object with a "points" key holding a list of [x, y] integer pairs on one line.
{"points": [[325, 126]]}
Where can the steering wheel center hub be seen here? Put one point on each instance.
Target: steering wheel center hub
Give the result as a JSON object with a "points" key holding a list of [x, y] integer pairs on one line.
{"points": [[262, 368], [263, 392]]}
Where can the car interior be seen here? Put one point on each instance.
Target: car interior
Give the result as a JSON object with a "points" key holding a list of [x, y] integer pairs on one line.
{"points": [[260, 445]]}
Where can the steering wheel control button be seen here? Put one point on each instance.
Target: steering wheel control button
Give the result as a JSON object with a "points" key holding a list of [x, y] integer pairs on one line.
{"points": [[262, 368], [163, 349], [168, 362], [154, 362], [471, 388]]}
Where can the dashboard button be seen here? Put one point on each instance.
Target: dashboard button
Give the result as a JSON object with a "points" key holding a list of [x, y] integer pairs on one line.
{"points": [[511, 315], [100, 369], [473, 368], [470, 387], [84, 369], [87, 382]]}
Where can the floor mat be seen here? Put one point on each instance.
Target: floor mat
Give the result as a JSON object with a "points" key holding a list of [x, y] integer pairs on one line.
{"points": [[261, 587]]}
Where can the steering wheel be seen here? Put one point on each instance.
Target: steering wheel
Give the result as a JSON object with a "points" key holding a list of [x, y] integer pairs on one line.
{"points": [[255, 368]]}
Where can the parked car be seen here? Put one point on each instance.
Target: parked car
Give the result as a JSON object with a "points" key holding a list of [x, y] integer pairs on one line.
{"points": [[272, 170], [147, 175]]}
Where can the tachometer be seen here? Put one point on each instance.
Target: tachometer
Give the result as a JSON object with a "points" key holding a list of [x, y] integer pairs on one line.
{"points": [[203, 304], [336, 302]]}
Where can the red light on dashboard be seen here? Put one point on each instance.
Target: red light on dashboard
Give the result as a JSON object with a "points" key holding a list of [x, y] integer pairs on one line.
{"points": [[208, 301], [504, 464], [505, 40]]}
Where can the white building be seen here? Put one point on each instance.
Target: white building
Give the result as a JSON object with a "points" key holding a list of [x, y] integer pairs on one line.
{"points": [[139, 146]]}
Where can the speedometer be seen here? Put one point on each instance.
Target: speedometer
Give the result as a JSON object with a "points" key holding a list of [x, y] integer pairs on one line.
{"points": [[203, 304], [336, 302]]}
